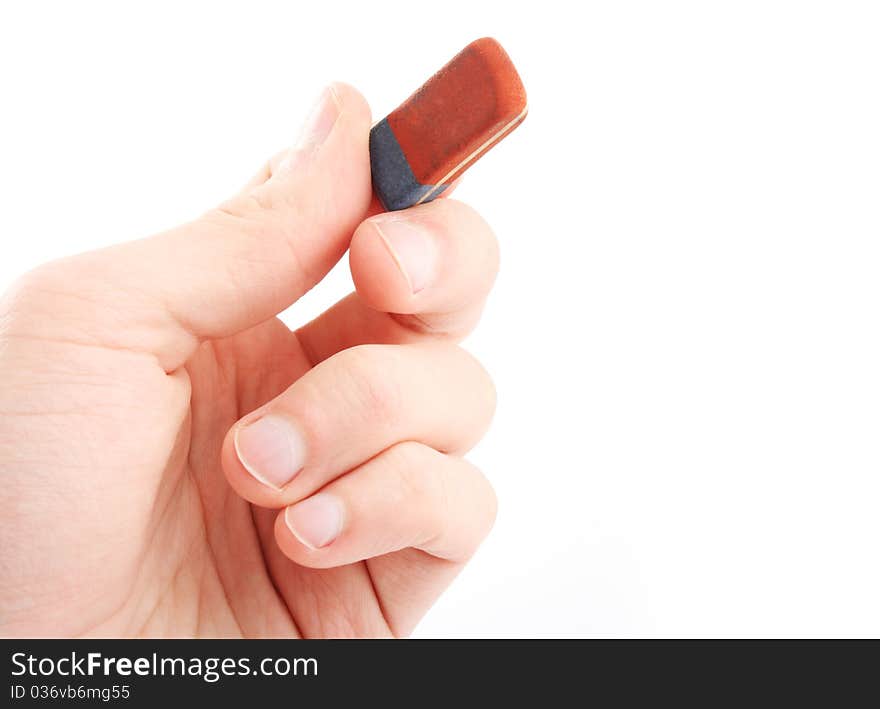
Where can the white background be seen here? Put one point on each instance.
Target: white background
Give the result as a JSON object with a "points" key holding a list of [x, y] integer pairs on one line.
{"points": [[684, 334]]}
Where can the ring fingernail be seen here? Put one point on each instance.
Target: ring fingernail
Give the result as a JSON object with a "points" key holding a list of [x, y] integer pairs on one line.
{"points": [[412, 249], [317, 521]]}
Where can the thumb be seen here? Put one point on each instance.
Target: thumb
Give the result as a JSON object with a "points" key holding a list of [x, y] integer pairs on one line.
{"points": [[243, 262]]}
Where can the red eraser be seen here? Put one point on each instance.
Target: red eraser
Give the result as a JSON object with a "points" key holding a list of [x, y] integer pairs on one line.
{"points": [[446, 125]]}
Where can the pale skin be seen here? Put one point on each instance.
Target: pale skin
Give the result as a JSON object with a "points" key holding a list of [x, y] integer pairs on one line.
{"points": [[175, 461]]}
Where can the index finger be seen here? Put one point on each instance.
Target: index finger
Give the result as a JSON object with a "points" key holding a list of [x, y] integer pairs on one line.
{"points": [[422, 272]]}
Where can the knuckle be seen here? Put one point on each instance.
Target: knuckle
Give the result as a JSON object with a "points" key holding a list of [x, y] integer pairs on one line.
{"points": [[354, 384], [369, 380], [483, 231], [491, 393], [247, 206], [77, 299], [490, 504], [33, 292], [484, 386], [267, 234], [474, 226], [411, 464], [421, 484], [36, 281], [483, 513]]}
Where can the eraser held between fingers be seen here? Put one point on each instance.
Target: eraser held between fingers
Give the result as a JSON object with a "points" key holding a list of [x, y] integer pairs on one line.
{"points": [[446, 125]]}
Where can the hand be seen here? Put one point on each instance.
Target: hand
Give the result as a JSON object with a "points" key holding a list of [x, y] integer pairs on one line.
{"points": [[133, 378]]}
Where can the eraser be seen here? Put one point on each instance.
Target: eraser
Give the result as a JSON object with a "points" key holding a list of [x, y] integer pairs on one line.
{"points": [[446, 125]]}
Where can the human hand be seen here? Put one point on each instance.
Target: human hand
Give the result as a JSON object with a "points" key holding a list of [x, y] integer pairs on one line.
{"points": [[133, 378]]}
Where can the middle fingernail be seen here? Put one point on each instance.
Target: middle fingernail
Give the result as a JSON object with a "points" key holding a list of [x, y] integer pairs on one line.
{"points": [[412, 248], [271, 449]]}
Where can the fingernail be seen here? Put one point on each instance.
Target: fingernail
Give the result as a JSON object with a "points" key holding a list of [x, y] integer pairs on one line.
{"points": [[411, 247], [271, 449], [315, 130], [321, 119], [317, 521]]}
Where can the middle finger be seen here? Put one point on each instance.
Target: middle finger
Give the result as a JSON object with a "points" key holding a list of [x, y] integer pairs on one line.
{"points": [[352, 407]]}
